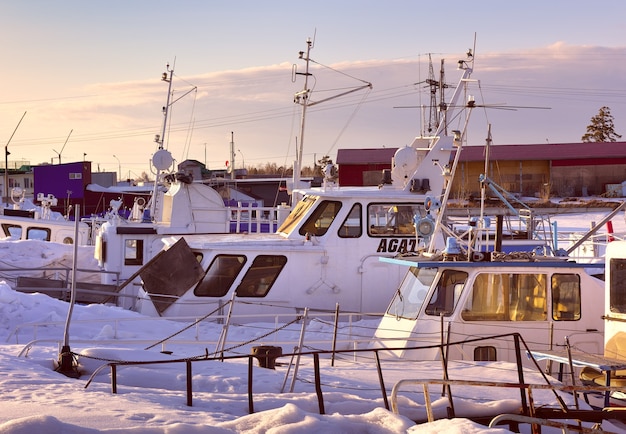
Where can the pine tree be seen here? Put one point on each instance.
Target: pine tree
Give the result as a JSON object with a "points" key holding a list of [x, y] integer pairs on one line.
{"points": [[601, 128]]}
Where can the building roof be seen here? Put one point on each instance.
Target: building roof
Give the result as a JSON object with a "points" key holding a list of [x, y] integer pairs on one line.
{"points": [[547, 151], [365, 155]]}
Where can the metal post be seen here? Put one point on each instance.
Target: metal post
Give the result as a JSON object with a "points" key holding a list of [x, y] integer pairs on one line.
{"points": [[189, 393], [113, 378], [318, 387], [250, 402], [335, 327], [66, 360], [381, 380], [520, 370], [300, 344]]}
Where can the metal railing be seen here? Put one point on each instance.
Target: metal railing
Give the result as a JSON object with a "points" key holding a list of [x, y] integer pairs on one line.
{"points": [[526, 389]]}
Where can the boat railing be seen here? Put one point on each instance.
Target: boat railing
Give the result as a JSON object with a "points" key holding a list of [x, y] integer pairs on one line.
{"points": [[542, 237], [256, 219], [539, 416]]}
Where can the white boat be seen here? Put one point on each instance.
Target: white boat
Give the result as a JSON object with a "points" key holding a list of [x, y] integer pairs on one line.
{"points": [[323, 255], [27, 221], [446, 298], [466, 292]]}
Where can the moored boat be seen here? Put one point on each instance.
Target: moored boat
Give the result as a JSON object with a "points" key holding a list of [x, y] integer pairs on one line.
{"points": [[447, 298], [324, 254]]}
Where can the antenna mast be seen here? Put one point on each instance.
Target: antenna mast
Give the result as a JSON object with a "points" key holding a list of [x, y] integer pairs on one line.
{"points": [[166, 108], [162, 159], [433, 119], [302, 98]]}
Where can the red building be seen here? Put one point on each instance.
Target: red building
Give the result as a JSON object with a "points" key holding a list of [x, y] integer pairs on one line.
{"points": [[564, 169]]}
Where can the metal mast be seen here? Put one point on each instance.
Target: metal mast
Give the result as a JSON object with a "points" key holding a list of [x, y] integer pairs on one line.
{"points": [[302, 98]]}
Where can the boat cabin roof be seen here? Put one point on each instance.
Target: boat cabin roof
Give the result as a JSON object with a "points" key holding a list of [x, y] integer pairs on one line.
{"points": [[552, 263]]}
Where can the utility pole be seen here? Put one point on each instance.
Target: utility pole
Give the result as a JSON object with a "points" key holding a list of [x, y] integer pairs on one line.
{"points": [[232, 155]]}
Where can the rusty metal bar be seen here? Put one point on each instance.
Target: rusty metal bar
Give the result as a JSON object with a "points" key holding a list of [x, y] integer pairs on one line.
{"points": [[189, 385], [113, 378], [318, 385], [250, 401], [381, 380], [520, 371], [335, 328]]}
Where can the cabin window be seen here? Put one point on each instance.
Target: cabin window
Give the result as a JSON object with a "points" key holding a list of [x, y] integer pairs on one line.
{"points": [[352, 226], [13, 231], [447, 293], [133, 252], [617, 285], [412, 292], [321, 218], [297, 214], [261, 275], [507, 297], [220, 275], [41, 234], [387, 219], [565, 297], [485, 354]]}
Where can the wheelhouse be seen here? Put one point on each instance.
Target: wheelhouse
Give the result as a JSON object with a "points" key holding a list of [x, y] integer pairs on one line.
{"points": [[443, 302]]}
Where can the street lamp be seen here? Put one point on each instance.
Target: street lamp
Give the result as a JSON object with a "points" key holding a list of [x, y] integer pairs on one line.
{"points": [[243, 161], [119, 168]]}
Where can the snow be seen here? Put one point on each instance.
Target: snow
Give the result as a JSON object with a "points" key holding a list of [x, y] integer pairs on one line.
{"points": [[151, 399]]}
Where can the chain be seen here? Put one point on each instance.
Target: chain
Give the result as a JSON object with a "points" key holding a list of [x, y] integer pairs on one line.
{"points": [[186, 328], [298, 318], [206, 354]]}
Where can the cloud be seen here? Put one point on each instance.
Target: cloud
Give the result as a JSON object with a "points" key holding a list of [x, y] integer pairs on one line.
{"points": [[257, 105]]}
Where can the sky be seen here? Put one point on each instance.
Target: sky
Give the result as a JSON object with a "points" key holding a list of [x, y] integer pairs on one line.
{"points": [[81, 80]]}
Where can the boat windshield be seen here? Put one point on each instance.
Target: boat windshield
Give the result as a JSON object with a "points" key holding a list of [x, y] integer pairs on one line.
{"points": [[412, 292], [447, 293], [297, 214]]}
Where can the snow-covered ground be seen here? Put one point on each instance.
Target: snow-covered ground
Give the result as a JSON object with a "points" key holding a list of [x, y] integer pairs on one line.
{"points": [[151, 399]]}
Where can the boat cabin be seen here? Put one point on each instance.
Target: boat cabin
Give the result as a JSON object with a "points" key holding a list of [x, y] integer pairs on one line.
{"points": [[325, 253], [28, 225], [449, 301]]}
